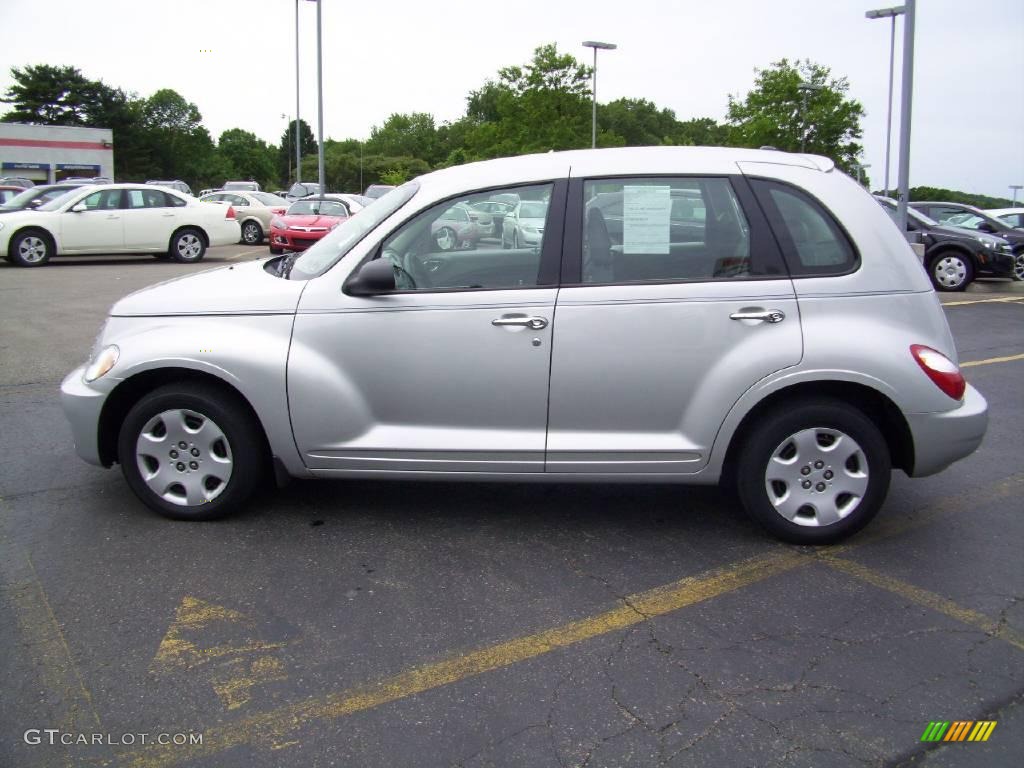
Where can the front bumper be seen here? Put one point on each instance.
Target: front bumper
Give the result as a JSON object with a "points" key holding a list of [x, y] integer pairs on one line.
{"points": [[942, 438], [997, 263], [288, 240], [82, 407]]}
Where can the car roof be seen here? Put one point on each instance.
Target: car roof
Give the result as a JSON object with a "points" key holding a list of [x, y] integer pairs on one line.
{"points": [[972, 208], [1002, 211]]}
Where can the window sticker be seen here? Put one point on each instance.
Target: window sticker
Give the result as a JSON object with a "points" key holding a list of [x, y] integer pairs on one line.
{"points": [[645, 219]]}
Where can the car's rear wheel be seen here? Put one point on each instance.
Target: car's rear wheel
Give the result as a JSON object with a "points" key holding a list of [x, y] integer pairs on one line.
{"points": [[1018, 266], [951, 271], [814, 474], [191, 451], [252, 233], [29, 249], [187, 246]]}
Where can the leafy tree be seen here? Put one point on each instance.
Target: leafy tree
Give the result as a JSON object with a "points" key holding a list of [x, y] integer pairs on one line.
{"points": [[413, 135], [286, 151], [47, 95], [178, 144], [922, 194], [773, 113], [248, 156], [638, 121]]}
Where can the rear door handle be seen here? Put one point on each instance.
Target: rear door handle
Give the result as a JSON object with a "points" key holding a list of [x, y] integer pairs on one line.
{"points": [[536, 323], [756, 313]]}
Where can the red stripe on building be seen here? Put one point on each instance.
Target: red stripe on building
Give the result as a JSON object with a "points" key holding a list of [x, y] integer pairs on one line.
{"points": [[54, 144]]}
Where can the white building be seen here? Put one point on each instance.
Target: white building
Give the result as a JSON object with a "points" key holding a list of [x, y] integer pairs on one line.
{"points": [[49, 153]]}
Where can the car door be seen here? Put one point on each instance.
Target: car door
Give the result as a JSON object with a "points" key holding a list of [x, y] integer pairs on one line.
{"points": [[97, 228], [149, 219], [674, 301], [449, 373]]}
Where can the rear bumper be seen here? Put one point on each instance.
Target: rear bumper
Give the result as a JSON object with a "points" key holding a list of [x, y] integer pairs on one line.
{"points": [[82, 407], [942, 438]]}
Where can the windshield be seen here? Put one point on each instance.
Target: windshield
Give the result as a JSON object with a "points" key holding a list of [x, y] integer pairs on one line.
{"points": [[326, 253], [268, 199], [317, 207], [22, 199], [532, 211], [60, 200], [300, 189]]}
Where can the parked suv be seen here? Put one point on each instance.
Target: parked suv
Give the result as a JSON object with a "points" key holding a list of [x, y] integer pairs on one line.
{"points": [[968, 217], [241, 186], [790, 347], [177, 184], [953, 257]]}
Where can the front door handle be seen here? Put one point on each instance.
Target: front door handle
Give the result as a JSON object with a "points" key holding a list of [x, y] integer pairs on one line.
{"points": [[536, 323], [756, 313]]}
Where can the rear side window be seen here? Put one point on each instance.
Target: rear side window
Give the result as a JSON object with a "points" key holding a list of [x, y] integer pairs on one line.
{"points": [[812, 241]]}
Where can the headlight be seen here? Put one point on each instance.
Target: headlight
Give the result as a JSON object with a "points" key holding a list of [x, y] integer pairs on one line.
{"points": [[102, 362], [987, 242]]}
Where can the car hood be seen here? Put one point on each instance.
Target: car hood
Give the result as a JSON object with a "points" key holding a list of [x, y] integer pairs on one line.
{"points": [[240, 289], [311, 220], [956, 233]]}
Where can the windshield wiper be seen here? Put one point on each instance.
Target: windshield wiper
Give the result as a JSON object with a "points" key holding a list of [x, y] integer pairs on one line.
{"points": [[284, 268]]}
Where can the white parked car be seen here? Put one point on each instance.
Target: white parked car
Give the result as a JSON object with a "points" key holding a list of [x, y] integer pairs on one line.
{"points": [[1012, 216], [117, 218]]}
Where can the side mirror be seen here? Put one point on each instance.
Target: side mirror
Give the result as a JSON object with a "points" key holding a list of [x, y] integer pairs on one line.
{"points": [[984, 226], [374, 277], [79, 208]]}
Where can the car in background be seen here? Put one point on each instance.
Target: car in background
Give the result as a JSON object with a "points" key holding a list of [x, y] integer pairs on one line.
{"points": [[1012, 216], [977, 220], [377, 190], [33, 197], [523, 227], [954, 257], [8, 193], [454, 229], [497, 211], [800, 384], [354, 203], [86, 180], [254, 211], [16, 181], [241, 186], [116, 218], [205, 192], [305, 222], [301, 189], [177, 184]]}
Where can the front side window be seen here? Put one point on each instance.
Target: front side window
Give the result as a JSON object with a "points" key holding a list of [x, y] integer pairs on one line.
{"points": [[663, 229], [104, 200], [443, 248]]}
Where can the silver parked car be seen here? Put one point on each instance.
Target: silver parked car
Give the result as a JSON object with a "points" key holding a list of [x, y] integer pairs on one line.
{"points": [[775, 333]]}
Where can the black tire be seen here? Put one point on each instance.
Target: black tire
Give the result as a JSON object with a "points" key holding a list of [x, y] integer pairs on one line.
{"points": [[841, 513], [276, 251], [30, 248], [252, 233], [244, 450], [187, 246], [1018, 267], [950, 271]]}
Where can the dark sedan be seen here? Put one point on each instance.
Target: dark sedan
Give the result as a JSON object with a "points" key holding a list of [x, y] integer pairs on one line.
{"points": [[954, 257], [969, 217]]}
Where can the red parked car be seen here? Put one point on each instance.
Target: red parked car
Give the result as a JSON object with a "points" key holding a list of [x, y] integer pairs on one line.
{"points": [[306, 221]]}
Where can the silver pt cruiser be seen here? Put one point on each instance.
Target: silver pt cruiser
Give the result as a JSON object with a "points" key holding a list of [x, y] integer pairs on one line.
{"points": [[686, 315]]}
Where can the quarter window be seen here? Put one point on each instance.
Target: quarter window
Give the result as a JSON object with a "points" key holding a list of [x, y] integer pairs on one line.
{"points": [[664, 229], [460, 244]]}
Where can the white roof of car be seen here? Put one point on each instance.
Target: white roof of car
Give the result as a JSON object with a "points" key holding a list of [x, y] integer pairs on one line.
{"points": [[1003, 211]]}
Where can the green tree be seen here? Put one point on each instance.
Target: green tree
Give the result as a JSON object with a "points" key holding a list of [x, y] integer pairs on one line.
{"points": [[248, 156], [286, 149], [412, 135], [773, 113], [47, 95], [178, 144]]}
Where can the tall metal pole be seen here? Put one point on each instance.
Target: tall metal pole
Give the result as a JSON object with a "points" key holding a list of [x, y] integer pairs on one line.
{"points": [[888, 117], [298, 142], [803, 119], [320, 93], [906, 104], [593, 116], [1015, 188]]}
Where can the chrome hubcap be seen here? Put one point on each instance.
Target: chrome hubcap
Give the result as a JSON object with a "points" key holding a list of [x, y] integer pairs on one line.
{"points": [[189, 246], [184, 457], [251, 233], [816, 477], [32, 249], [950, 271], [1018, 266]]}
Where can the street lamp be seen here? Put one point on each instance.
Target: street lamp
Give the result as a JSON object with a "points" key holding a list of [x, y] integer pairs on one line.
{"points": [[806, 89], [298, 143], [1015, 188], [861, 167], [320, 94], [593, 121], [906, 102], [888, 13]]}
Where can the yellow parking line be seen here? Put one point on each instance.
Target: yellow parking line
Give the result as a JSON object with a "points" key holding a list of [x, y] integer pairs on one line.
{"points": [[991, 360], [964, 303], [928, 599]]}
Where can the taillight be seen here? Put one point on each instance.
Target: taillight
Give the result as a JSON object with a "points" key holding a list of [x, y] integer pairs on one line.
{"points": [[231, 212], [940, 369]]}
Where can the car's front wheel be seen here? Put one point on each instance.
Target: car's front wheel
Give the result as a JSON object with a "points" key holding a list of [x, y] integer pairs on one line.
{"points": [[187, 246], [814, 474], [191, 451], [1018, 266], [29, 249], [951, 271]]}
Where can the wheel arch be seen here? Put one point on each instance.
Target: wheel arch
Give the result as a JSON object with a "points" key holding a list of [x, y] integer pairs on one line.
{"points": [[127, 393], [939, 249], [885, 414], [47, 234], [197, 227]]}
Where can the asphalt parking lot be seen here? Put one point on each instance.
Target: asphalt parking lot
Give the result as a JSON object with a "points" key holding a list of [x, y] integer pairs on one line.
{"points": [[368, 624]]}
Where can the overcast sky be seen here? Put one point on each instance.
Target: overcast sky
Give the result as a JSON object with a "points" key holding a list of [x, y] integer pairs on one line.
{"points": [[236, 60]]}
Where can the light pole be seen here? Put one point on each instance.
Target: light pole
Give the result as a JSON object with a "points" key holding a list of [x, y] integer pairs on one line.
{"points": [[1015, 188], [320, 94], [298, 142], [861, 167], [806, 89], [593, 120], [906, 102], [888, 13]]}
